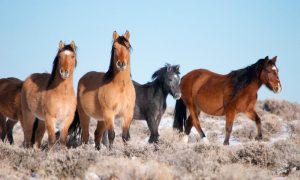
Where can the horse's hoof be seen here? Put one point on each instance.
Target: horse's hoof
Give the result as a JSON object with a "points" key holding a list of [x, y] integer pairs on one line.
{"points": [[153, 140], [226, 143], [205, 140], [185, 139], [258, 138], [98, 147]]}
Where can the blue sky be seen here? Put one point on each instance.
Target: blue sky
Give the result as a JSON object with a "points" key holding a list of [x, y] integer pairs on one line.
{"points": [[220, 36]]}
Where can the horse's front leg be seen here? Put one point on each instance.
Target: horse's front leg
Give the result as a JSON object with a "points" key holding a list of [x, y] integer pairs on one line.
{"points": [[64, 132], [153, 124], [127, 119], [254, 116], [109, 123], [50, 126]]}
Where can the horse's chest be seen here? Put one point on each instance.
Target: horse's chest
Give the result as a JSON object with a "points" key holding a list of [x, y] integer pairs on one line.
{"points": [[60, 107]]}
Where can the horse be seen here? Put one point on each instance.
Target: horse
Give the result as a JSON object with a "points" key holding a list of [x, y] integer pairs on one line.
{"points": [[51, 97], [10, 105], [106, 96], [224, 95], [10, 108], [150, 103]]}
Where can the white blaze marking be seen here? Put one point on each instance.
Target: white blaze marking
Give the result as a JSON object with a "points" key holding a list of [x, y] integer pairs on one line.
{"points": [[274, 68], [67, 52]]}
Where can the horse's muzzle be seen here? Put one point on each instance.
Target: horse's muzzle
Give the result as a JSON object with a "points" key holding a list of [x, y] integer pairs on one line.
{"points": [[277, 89], [64, 74], [121, 65], [177, 96]]}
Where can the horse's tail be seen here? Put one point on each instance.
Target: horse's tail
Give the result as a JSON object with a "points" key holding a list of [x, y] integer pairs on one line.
{"points": [[35, 127], [179, 115], [75, 129]]}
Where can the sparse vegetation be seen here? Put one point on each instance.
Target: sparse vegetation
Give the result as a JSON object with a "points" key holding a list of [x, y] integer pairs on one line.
{"points": [[277, 155]]}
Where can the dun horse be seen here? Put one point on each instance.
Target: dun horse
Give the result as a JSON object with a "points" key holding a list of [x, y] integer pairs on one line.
{"points": [[51, 97], [10, 107], [110, 95], [151, 97], [219, 95]]}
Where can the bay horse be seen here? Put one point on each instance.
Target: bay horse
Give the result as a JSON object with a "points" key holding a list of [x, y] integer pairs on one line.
{"points": [[10, 105], [51, 97], [10, 108], [219, 95], [106, 96], [150, 103]]}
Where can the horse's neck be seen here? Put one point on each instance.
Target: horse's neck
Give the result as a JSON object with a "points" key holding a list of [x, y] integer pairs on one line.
{"points": [[253, 87], [159, 89], [61, 84], [121, 76]]}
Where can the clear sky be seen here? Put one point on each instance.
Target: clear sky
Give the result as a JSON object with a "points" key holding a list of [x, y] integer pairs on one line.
{"points": [[216, 35]]}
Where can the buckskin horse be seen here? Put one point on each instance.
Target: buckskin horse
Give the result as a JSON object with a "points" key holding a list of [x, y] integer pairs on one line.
{"points": [[215, 94], [51, 97], [110, 95]]}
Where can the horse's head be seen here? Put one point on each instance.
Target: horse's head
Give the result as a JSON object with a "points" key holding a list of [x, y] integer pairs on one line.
{"points": [[269, 75], [170, 79], [121, 50], [66, 59]]}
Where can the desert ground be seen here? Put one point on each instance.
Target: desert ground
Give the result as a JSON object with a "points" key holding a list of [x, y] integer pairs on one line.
{"points": [[277, 156]]}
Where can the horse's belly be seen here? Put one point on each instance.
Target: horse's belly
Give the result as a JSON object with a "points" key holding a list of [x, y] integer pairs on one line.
{"points": [[89, 104], [211, 105]]}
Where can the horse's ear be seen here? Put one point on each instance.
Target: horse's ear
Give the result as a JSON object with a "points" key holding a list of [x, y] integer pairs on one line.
{"points": [[267, 57], [169, 68], [177, 67], [73, 45], [61, 45], [115, 35], [274, 59], [127, 35]]}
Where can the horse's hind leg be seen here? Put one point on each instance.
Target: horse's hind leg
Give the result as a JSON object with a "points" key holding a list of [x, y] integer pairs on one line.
{"points": [[84, 124], [40, 133], [99, 133], [196, 121], [9, 129], [254, 116], [2, 127], [27, 124], [188, 125], [230, 115]]}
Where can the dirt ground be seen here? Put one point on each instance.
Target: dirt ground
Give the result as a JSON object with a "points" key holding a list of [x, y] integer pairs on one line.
{"points": [[277, 156]]}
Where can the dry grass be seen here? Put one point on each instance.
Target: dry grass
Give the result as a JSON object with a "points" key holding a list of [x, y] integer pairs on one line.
{"points": [[171, 158]]}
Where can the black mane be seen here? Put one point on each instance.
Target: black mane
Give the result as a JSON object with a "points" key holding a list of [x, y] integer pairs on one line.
{"points": [[110, 72], [241, 78], [55, 62], [160, 73]]}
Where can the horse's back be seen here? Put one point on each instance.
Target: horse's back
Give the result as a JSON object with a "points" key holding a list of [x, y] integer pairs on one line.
{"points": [[205, 89], [10, 89]]}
